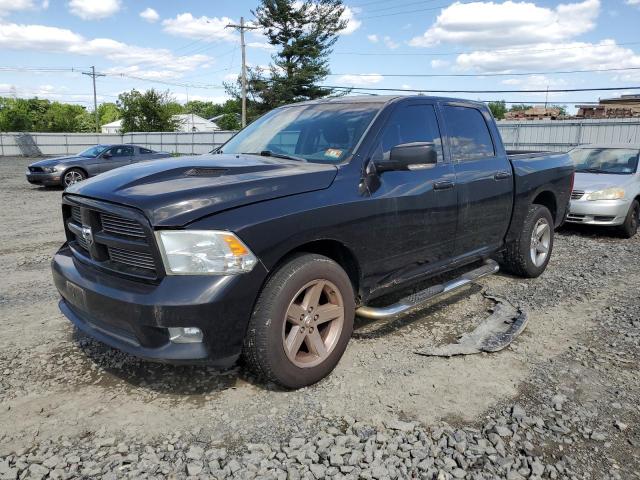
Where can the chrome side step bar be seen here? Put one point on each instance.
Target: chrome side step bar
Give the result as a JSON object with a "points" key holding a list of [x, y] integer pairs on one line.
{"points": [[417, 299]]}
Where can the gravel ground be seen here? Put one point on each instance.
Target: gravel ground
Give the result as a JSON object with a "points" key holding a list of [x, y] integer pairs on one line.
{"points": [[560, 402]]}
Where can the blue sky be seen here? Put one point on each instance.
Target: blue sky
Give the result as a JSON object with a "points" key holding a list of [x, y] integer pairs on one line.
{"points": [[140, 43]]}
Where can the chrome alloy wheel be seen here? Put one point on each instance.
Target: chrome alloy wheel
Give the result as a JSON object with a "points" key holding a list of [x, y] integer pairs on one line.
{"points": [[72, 177], [540, 242], [313, 323]]}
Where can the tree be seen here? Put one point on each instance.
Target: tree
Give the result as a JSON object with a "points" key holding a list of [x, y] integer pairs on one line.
{"points": [[303, 32], [229, 121], [520, 107], [562, 108], [40, 115], [498, 109], [108, 112], [150, 111]]}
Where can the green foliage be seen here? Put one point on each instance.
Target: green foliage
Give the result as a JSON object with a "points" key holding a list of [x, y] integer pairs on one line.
{"points": [[562, 108], [150, 111], [498, 109], [229, 121], [303, 33], [39, 115], [520, 107], [108, 112]]}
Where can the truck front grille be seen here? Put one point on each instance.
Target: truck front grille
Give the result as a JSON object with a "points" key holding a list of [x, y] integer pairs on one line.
{"points": [[118, 242], [577, 194]]}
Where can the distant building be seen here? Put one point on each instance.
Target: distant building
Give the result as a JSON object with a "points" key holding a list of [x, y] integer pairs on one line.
{"points": [[622, 107], [187, 122], [534, 113]]}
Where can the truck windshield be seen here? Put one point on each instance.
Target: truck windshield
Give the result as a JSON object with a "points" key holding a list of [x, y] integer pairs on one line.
{"points": [[620, 161], [323, 133]]}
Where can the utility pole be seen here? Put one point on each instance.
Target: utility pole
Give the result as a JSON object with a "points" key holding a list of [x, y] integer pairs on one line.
{"points": [[242, 27], [93, 75]]}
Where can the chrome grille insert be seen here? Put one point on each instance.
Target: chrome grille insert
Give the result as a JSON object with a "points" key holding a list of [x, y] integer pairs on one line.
{"points": [[577, 194], [133, 258], [121, 226]]}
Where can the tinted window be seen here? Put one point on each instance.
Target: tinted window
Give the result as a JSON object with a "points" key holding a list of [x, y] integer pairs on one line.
{"points": [[145, 150], [121, 151], [468, 133], [413, 123]]}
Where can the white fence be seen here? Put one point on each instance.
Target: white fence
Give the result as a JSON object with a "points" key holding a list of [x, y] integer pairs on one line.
{"points": [[554, 135], [562, 135], [71, 143]]}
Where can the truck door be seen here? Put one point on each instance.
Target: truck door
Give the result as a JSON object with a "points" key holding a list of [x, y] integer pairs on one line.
{"points": [[416, 209], [484, 180]]}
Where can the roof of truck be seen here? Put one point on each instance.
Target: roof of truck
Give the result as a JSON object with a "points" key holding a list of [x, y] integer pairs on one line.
{"points": [[632, 146], [380, 99]]}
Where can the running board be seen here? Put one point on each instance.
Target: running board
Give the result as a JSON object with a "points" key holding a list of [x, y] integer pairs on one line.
{"points": [[417, 299]]}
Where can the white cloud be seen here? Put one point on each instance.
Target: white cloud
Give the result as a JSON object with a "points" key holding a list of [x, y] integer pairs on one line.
{"points": [[390, 43], [440, 63], [360, 80], [490, 24], [204, 28], [353, 23], [633, 2], [559, 56], [150, 15], [261, 45], [373, 38], [8, 6], [60, 40], [230, 77], [93, 9]]}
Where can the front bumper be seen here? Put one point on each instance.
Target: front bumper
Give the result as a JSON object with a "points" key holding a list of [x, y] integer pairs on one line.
{"points": [[598, 212], [46, 179], [133, 316]]}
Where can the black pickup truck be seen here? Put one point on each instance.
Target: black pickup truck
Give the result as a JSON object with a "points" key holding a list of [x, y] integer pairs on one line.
{"points": [[268, 248]]}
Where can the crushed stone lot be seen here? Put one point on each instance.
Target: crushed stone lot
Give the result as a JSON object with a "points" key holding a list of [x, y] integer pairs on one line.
{"points": [[562, 401]]}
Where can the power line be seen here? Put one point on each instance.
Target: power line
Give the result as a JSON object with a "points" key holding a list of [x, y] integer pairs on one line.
{"points": [[499, 50], [514, 74], [429, 90], [411, 11]]}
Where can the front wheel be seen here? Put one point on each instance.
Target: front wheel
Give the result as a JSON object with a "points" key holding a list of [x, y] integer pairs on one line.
{"points": [[529, 254], [71, 176], [301, 323], [630, 226]]}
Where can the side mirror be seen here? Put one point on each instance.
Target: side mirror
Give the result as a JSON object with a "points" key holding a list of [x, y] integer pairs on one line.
{"points": [[106, 155], [410, 156]]}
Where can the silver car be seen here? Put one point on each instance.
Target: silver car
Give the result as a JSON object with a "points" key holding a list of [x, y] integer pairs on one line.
{"points": [[607, 187], [68, 170]]}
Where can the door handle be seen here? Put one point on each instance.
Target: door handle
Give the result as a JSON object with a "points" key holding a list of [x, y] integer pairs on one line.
{"points": [[443, 185], [501, 176]]}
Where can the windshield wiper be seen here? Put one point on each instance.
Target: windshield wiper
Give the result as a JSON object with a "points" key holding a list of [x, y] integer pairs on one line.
{"points": [[269, 153]]}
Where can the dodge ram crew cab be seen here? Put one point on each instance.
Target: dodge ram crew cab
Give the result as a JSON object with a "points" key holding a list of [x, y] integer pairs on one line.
{"points": [[268, 248]]}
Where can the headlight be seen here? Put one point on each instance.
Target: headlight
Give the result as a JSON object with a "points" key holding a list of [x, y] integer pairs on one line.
{"points": [[613, 193], [194, 252], [48, 169]]}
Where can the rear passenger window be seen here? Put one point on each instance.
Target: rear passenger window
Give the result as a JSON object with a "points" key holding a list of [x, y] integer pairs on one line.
{"points": [[145, 150], [408, 124], [469, 135]]}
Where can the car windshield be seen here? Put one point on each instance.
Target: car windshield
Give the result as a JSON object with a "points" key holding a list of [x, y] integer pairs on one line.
{"points": [[620, 161], [322, 133], [93, 151]]}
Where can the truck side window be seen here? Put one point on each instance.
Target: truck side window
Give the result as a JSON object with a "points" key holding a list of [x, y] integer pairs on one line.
{"points": [[468, 134], [412, 123]]}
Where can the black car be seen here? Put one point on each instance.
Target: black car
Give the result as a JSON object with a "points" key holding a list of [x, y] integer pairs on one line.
{"points": [[269, 248], [66, 171]]}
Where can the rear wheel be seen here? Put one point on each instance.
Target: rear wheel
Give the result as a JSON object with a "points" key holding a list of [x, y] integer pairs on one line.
{"points": [[71, 176], [630, 226], [302, 322], [529, 254]]}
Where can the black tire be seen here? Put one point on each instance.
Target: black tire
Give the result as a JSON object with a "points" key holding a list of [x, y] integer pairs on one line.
{"points": [[630, 226], [264, 352], [75, 173], [517, 257]]}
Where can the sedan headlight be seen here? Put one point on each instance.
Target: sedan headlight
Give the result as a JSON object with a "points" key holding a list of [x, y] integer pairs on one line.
{"points": [[48, 169], [613, 193], [197, 252]]}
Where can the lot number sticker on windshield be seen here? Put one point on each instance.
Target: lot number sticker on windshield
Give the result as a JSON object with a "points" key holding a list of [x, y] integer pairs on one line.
{"points": [[333, 153]]}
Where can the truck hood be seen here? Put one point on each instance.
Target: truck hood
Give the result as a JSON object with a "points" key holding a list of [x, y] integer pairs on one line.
{"points": [[592, 182], [176, 191]]}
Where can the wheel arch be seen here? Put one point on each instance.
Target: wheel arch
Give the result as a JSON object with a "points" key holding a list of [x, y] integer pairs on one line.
{"points": [[333, 249], [547, 199], [74, 167]]}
